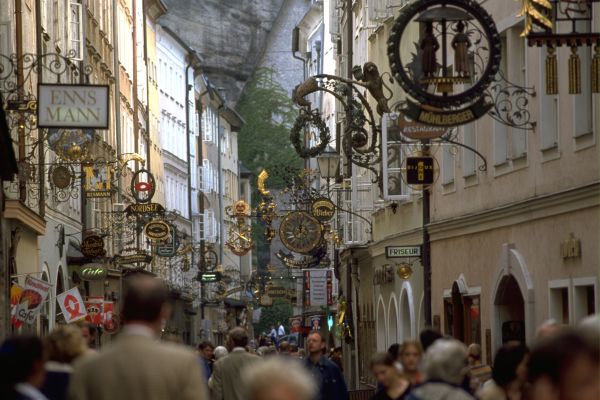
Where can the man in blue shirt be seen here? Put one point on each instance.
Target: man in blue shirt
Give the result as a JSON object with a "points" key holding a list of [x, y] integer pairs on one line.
{"points": [[327, 375], [206, 351]]}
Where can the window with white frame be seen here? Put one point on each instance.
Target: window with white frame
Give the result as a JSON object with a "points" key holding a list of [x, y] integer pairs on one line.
{"points": [[585, 298], [75, 30], [548, 109], [447, 165], [558, 301], [468, 156]]}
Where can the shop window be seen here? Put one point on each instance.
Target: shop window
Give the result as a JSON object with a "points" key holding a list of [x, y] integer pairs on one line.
{"points": [[462, 316], [584, 298], [559, 304]]}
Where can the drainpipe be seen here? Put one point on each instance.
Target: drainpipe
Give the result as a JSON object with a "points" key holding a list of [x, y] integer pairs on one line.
{"points": [[117, 75], [20, 81], [191, 55], [41, 153], [136, 119], [220, 175]]}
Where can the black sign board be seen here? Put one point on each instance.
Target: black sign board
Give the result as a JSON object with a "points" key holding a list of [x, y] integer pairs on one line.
{"points": [[277, 292], [92, 246], [139, 257], [145, 208], [322, 209], [419, 170]]}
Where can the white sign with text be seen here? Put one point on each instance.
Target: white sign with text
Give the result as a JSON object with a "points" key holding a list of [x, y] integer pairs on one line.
{"points": [[72, 106]]}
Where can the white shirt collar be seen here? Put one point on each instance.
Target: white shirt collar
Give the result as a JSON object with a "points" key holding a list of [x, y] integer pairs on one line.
{"points": [[30, 391], [238, 349], [138, 330]]}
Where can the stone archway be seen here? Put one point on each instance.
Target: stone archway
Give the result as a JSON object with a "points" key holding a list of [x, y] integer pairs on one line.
{"points": [[513, 302], [407, 312], [392, 336], [381, 329]]}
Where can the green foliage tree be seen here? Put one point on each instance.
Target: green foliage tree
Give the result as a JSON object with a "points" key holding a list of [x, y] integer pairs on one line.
{"points": [[264, 140], [280, 311]]}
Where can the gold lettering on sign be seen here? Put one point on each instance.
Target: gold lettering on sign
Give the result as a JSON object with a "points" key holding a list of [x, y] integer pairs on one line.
{"points": [[433, 118], [570, 248]]}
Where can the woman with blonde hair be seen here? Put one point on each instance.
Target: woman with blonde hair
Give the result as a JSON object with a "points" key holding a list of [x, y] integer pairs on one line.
{"points": [[409, 355], [63, 345]]}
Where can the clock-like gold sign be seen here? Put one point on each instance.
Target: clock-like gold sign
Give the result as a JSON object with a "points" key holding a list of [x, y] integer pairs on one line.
{"points": [[300, 232]]}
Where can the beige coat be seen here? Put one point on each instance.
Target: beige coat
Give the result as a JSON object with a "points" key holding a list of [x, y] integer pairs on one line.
{"points": [[227, 372], [139, 368]]}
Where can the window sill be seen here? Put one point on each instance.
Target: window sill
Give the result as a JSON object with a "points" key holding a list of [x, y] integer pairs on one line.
{"points": [[550, 153], [584, 141], [471, 180]]}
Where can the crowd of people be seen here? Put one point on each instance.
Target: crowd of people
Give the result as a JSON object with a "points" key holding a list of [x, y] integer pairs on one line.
{"points": [[563, 364]]}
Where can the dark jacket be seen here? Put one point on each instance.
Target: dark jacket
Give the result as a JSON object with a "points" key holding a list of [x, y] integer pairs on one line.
{"points": [[329, 380]]}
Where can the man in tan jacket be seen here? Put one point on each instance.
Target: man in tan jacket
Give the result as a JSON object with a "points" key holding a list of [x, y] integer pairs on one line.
{"points": [[226, 381], [137, 366]]}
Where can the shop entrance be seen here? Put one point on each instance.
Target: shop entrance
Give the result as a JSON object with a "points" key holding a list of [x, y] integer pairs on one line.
{"points": [[509, 309]]}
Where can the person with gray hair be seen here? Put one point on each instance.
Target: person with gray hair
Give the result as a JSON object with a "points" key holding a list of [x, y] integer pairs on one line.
{"points": [[445, 366], [278, 378], [220, 352]]}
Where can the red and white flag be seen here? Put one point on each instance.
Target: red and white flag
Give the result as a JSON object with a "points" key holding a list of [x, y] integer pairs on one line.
{"points": [[72, 305]]}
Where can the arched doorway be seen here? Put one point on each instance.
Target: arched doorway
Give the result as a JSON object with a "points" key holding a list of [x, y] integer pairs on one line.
{"points": [[381, 343], [392, 322], [406, 325], [60, 287], [510, 310], [458, 311]]}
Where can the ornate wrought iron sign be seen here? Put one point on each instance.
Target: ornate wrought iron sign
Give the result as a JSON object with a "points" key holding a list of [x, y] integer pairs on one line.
{"points": [[97, 180], [240, 234], [92, 246], [144, 208], [143, 186], [168, 247], [139, 256], [157, 230], [445, 94], [419, 170], [322, 209]]}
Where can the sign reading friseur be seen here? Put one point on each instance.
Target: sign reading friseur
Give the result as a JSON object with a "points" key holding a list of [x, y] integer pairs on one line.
{"points": [[72, 106]]}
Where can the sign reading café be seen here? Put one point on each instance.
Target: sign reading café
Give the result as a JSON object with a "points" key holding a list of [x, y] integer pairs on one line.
{"points": [[72, 106]]}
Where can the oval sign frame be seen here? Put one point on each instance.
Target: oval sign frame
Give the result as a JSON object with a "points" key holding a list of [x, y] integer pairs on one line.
{"points": [[92, 272], [92, 246], [157, 230], [143, 192], [321, 208]]}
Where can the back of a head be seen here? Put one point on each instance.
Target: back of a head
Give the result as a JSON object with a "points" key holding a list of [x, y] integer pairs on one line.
{"points": [[284, 347], [446, 361], [65, 343], [18, 358], [474, 351], [278, 378], [554, 355], [394, 350], [507, 359], [220, 352], [428, 336], [238, 337], [144, 299]]}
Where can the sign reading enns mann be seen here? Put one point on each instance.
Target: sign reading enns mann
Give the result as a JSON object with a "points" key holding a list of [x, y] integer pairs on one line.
{"points": [[72, 106]]}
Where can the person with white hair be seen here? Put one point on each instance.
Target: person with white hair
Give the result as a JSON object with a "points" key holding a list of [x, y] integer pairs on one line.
{"points": [[220, 352], [445, 365], [278, 379]]}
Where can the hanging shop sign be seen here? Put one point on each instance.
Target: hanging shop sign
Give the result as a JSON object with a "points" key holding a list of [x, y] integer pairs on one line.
{"points": [[143, 186], [315, 322], [157, 230], [415, 130], [277, 292], [457, 57], [21, 106], [419, 170], [137, 257], [60, 176], [110, 320], [168, 247], [402, 251], [144, 208], [296, 324], [92, 271], [299, 262], [210, 277], [300, 232], [96, 180], [32, 298], [72, 106], [72, 305], [383, 274], [322, 209], [317, 288], [95, 310], [92, 246]]}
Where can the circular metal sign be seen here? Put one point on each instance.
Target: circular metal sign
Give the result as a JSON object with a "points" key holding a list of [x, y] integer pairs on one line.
{"points": [[157, 230], [322, 209], [60, 176], [143, 186], [92, 246]]}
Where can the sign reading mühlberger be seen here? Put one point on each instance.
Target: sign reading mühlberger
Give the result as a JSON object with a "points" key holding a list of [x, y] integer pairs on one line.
{"points": [[72, 106]]}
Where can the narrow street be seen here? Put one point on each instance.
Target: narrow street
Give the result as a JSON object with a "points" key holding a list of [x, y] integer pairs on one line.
{"points": [[299, 199]]}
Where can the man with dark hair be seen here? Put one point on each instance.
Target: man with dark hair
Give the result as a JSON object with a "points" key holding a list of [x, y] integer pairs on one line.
{"points": [[565, 366], [88, 331], [137, 366], [206, 350], [225, 381], [22, 370], [330, 382], [428, 336]]}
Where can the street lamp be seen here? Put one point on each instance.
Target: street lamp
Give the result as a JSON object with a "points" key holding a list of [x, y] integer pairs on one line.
{"points": [[329, 163]]}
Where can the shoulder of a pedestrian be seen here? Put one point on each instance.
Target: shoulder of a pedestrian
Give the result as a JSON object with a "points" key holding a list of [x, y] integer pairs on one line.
{"points": [[491, 391], [439, 390]]}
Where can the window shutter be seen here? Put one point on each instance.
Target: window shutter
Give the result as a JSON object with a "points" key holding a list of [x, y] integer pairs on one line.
{"points": [[394, 187]]}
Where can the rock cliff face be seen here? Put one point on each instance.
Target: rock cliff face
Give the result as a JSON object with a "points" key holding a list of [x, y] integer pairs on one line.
{"points": [[229, 35]]}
